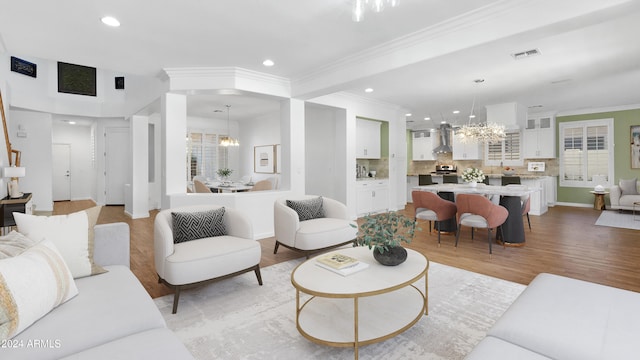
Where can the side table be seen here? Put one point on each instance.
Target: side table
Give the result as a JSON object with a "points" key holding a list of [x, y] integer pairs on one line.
{"points": [[598, 202], [10, 205]]}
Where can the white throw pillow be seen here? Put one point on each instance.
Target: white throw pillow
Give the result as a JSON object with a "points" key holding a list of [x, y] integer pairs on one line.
{"points": [[32, 284], [13, 244], [72, 234]]}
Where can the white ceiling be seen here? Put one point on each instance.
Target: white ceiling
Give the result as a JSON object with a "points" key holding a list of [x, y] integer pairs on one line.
{"points": [[422, 55]]}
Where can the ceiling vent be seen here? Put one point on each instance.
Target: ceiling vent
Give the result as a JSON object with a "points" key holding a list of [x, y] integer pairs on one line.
{"points": [[526, 54]]}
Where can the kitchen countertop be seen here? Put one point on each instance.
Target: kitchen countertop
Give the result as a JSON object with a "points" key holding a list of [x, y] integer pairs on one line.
{"points": [[371, 178], [496, 176]]}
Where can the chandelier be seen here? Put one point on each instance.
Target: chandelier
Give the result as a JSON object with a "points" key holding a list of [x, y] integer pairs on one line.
{"points": [[480, 132], [360, 6], [227, 140]]}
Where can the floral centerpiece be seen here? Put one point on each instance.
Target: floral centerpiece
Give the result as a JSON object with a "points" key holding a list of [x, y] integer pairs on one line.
{"points": [[224, 174], [472, 175]]}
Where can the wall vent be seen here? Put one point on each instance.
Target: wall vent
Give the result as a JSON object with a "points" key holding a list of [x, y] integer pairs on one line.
{"points": [[526, 54]]}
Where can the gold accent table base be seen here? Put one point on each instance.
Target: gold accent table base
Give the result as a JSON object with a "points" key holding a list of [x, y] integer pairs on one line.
{"points": [[361, 308], [598, 201]]}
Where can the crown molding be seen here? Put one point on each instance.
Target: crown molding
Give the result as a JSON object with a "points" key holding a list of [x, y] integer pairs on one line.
{"points": [[598, 110], [463, 31], [212, 78]]}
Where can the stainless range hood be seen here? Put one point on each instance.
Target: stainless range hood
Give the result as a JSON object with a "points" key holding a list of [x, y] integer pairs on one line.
{"points": [[445, 140]]}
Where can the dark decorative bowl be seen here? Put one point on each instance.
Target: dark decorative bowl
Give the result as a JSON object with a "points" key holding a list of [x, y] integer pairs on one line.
{"points": [[394, 256]]}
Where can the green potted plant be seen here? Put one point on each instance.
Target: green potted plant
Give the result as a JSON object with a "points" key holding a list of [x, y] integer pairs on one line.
{"points": [[384, 233], [224, 173]]}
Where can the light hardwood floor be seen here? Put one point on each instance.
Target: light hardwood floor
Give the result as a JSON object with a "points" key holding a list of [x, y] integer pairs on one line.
{"points": [[563, 241]]}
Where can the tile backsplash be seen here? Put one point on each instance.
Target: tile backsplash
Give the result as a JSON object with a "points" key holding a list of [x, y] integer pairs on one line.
{"points": [[426, 167], [381, 166]]}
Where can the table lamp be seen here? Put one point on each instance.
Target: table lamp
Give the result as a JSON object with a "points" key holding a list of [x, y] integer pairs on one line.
{"points": [[14, 173]]}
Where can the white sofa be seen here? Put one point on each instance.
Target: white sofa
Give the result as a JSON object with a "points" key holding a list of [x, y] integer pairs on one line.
{"points": [[620, 200], [561, 318], [112, 317]]}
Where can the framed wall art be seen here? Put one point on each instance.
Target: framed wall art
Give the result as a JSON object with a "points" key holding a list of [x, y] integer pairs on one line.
{"points": [[24, 67], [278, 159], [635, 146], [263, 159], [76, 79]]}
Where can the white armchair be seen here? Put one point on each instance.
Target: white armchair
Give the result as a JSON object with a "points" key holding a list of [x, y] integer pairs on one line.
{"points": [[195, 262], [309, 236]]}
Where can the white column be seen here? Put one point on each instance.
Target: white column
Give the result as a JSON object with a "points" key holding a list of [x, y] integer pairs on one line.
{"points": [[293, 145], [140, 167], [174, 133]]}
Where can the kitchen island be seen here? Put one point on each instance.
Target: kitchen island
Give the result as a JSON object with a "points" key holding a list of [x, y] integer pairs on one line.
{"points": [[540, 200]]}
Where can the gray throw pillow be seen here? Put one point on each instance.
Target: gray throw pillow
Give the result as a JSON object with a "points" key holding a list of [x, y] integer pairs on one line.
{"points": [[628, 187], [189, 226], [307, 209]]}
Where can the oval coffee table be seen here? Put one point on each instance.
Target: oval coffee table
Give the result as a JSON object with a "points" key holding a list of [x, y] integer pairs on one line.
{"points": [[369, 306]]}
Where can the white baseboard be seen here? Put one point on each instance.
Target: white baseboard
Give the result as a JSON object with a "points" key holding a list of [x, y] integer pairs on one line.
{"points": [[140, 215], [263, 236], [574, 204]]}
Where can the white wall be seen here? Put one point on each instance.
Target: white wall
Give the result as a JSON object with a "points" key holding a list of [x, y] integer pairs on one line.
{"points": [[155, 198], [41, 93], [82, 166], [356, 106], [263, 130], [36, 155], [321, 151]]}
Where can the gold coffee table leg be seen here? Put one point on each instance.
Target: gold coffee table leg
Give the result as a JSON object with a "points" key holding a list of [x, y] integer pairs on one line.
{"points": [[355, 330]]}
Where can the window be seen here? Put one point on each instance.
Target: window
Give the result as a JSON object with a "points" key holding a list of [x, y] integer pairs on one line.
{"points": [[204, 156], [507, 152], [586, 153]]}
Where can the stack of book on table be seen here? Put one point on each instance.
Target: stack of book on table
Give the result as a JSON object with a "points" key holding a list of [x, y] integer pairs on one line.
{"points": [[341, 264]]}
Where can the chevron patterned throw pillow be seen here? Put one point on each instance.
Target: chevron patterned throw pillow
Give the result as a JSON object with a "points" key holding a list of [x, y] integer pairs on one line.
{"points": [[189, 226], [307, 209]]}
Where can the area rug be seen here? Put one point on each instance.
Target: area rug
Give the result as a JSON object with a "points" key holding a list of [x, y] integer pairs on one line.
{"points": [[237, 319], [613, 218]]}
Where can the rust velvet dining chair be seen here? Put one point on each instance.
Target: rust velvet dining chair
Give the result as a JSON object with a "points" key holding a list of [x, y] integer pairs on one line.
{"points": [[476, 211], [430, 206]]}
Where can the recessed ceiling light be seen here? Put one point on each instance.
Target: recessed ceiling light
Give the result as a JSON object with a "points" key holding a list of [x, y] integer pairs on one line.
{"points": [[408, 114], [443, 122], [456, 111], [72, 122], [268, 62], [427, 118], [111, 21], [368, 90], [472, 116]]}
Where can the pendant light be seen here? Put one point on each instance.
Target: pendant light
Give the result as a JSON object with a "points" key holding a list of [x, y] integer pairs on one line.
{"points": [[227, 140]]}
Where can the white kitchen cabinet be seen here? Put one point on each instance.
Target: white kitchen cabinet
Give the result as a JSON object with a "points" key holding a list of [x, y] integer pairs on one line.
{"points": [[540, 137], [372, 196], [465, 151], [423, 145], [367, 139], [550, 184], [539, 198], [412, 181]]}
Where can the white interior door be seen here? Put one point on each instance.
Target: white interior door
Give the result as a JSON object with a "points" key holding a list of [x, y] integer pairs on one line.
{"points": [[61, 172], [116, 164]]}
